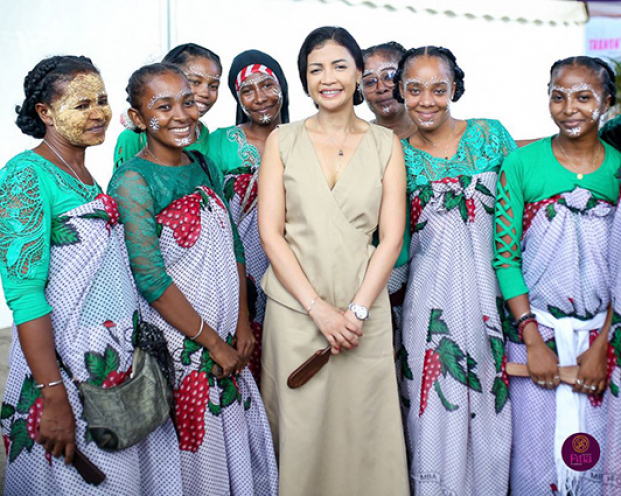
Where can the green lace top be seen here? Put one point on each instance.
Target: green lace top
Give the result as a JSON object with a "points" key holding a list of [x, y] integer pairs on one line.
{"points": [[33, 191], [529, 175], [142, 190], [230, 150], [130, 143], [483, 146]]}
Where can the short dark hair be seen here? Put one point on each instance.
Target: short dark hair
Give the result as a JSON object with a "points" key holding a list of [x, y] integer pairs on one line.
{"points": [[41, 85], [317, 38], [390, 49], [138, 80], [432, 51], [595, 64], [181, 54]]}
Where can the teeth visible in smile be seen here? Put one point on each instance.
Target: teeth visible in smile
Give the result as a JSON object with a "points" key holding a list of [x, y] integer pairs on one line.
{"points": [[181, 130], [201, 106], [330, 92]]}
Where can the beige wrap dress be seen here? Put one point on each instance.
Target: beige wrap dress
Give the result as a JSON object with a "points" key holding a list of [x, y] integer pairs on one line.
{"points": [[341, 433]]}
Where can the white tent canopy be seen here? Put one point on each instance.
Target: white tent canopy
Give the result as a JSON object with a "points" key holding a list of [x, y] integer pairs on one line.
{"points": [[505, 48]]}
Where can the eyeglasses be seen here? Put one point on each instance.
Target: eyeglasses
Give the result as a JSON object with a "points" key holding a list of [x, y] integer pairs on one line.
{"points": [[386, 76]]}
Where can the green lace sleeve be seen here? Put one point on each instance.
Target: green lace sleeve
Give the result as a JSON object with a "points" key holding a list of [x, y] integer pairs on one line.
{"points": [[25, 227], [508, 229], [217, 185], [127, 146], [137, 214]]}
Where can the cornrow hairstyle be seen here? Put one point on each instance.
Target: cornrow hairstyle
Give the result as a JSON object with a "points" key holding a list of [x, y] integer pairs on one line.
{"points": [[432, 51], [595, 64], [41, 85], [181, 55], [389, 49], [140, 77], [320, 36]]}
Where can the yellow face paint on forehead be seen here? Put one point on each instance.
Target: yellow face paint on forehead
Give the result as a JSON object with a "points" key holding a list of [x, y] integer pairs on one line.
{"points": [[81, 113]]}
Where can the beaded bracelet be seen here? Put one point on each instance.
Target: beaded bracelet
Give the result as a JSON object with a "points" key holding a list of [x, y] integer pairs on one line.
{"points": [[312, 304], [49, 384], [523, 322]]}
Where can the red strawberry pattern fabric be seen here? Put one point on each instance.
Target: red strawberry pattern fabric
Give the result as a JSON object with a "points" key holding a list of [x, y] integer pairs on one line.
{"points": [[94, 303], [241, 160], [565, 256], [454, 393], [222, 424]]}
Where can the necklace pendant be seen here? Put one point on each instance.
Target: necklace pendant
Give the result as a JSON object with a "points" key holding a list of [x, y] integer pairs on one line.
{"points": [[340, 152], [579, 176]]}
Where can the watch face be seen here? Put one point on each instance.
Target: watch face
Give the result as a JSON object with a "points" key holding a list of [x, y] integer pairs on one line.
{"points": [[360, 312]]}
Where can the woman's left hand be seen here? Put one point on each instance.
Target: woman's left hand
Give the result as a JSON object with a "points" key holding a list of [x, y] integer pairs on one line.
{"points": [[592, 373], [245, 343]]}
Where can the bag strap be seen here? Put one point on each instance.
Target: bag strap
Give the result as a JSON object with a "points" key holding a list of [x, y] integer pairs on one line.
{"points": [[202, 161], [63, 367]]}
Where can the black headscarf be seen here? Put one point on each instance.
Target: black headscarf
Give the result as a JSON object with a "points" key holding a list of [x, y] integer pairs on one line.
{"points": [[250, 57]]}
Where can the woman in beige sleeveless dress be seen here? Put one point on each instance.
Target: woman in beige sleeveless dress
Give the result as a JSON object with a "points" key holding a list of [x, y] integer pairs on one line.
{"points": [[326, 185]]}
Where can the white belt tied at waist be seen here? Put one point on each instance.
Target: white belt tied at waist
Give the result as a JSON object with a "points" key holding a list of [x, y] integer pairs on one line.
{"points": [[572, 339]]}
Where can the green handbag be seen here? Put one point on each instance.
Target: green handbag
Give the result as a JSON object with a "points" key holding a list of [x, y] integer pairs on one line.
{"points": [[121, 416]]}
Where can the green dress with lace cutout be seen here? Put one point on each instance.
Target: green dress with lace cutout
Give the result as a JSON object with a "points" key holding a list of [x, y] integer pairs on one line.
{"points": [[143, 189], [34, 193], [130, 143], [533, 174]]}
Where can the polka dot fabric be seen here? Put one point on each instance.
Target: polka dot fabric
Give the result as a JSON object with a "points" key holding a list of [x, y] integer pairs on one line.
{"points": [[93, 299], [226, 445], [565, 255], [450, 365], [243, 205]]}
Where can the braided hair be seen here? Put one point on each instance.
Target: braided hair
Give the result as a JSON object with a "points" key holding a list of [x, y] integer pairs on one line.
{"points": [[390, 49], [182, 54], [598, 66], [41, 85], [139, 79], [432, 51]]}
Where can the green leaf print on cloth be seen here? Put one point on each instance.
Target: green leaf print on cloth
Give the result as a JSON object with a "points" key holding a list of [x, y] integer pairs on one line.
{"points": [[63, 233], [24, 430], [448, 359]]}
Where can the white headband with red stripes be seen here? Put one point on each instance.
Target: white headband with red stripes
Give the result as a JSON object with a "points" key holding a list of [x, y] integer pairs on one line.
{"points": [[253, 69]]}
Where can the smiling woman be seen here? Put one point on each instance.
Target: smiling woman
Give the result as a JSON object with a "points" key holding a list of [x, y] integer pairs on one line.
{"points": [[327, 184], [203, 69], [454, 390], [259, 85], [188, 264], [557, 260], [65, 275]]}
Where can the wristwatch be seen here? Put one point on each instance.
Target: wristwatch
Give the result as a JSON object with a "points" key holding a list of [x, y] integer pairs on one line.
{"points": [[361, 313]]}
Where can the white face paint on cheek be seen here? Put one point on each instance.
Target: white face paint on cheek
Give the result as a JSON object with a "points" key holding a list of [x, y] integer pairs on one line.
{"points": [[244, 109], [154, 124], [595, 115]]}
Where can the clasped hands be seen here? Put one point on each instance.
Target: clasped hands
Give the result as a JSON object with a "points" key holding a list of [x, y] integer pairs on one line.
{"points": [[340, 327], [233, 358], [542, 364]]}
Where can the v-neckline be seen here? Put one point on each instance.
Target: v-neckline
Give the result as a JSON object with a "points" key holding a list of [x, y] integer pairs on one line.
{"points": [[323, 174]]}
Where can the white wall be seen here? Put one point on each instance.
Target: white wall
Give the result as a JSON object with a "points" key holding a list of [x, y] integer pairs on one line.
{"points": [[506, 61]]}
